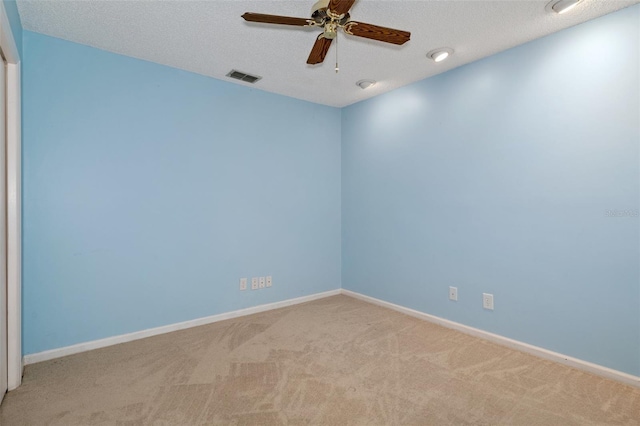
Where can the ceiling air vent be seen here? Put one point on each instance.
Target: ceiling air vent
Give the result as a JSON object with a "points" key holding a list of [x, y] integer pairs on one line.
{"points": [[239, 75]]}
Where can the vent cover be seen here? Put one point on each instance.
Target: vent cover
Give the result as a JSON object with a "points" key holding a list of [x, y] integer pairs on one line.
{"points": [[239, 75]]}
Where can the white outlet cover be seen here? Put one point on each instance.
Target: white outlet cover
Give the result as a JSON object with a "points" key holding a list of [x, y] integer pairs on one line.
{"points": [[262, 282], [243, 283], [487, 301], [254, 283], [453, 293], [269, 281]]}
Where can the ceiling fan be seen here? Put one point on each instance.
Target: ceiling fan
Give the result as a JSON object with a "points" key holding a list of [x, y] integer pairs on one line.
{"points": [[331, 15]]}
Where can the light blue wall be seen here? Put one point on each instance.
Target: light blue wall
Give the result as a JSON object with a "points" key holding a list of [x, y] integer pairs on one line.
{"points": [[496, 177], [14, 21], [149, 191]]}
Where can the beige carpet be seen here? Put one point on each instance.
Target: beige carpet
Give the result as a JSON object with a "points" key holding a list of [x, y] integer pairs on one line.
{"points": [[335, 361]]}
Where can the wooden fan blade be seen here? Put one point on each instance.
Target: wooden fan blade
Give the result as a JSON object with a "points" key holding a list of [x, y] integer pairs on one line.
{"points": [[319, 50], [275, 19], [340, 7], [375, 32]]}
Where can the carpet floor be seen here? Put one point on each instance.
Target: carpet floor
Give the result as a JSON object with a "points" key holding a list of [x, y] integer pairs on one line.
{"points": [[334, 361]]}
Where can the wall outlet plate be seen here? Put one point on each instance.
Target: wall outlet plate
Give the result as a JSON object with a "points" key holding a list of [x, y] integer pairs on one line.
{"points": [[453, 293], [263, 282], [254, 283], [487, 301], [243, 283], [269, 281]]}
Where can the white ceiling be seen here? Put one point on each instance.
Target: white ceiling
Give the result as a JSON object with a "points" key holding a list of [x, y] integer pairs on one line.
{"points": [[210, 38]]}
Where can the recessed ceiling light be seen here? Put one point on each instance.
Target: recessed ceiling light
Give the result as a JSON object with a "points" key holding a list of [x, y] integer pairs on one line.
{"points": [[439, 55], [365, 84], [562, 6]]}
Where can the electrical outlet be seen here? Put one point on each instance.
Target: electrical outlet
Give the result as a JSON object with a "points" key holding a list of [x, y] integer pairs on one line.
{"points": [[269, 281], [262, 282], [243, 283], [453, 293], [254, 283], [487, 301]]}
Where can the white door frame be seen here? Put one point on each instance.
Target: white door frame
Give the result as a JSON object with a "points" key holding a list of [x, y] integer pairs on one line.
{"points": [[14, 202]]}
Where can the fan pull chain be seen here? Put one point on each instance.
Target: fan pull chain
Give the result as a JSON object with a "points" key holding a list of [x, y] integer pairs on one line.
{"points": [[337, 68]]}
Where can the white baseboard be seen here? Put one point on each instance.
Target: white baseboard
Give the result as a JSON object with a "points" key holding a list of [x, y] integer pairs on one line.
{"points": [[123, 338], [501, 340], [505, 341]]}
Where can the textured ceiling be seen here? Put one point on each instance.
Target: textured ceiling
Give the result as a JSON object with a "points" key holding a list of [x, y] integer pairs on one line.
{"points": [[210, 38]]}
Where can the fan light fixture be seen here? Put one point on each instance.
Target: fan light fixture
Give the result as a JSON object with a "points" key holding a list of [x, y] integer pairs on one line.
{"points": [[562, 6], [365, 84], [439, 55]]}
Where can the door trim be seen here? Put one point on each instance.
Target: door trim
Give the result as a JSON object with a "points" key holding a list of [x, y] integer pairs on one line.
{"points": [[14, 203]]}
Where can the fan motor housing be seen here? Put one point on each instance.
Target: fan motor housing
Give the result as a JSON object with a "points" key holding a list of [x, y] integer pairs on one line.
{"points": [[320, 5], [321, 17]]}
